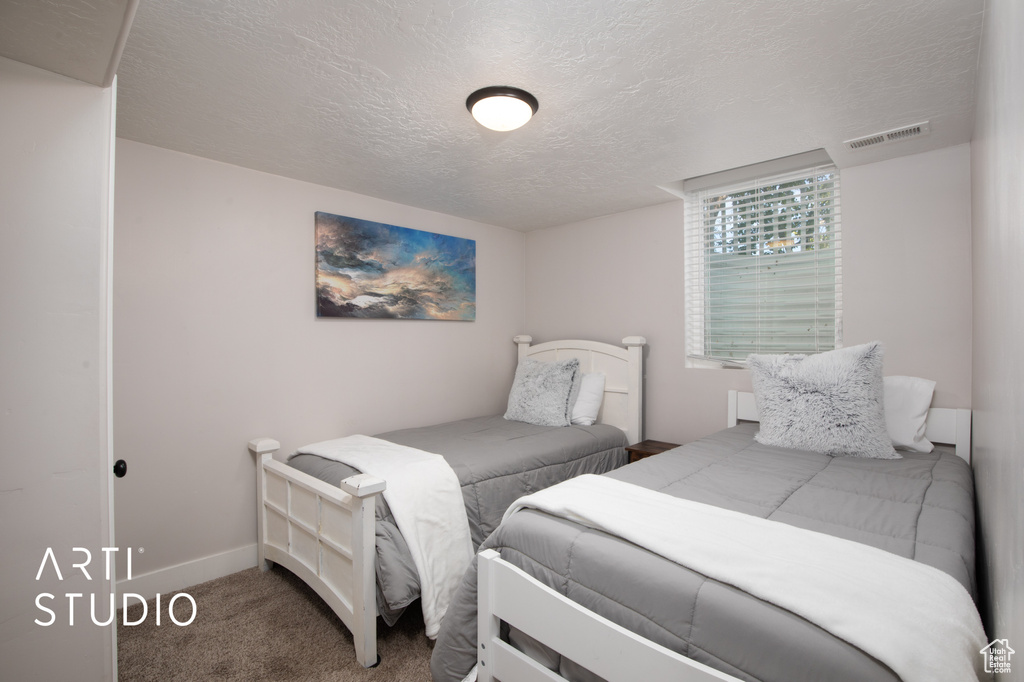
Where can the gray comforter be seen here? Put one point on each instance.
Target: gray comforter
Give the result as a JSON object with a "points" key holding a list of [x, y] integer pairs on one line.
{"points": [[920, 507], [496, 461]]}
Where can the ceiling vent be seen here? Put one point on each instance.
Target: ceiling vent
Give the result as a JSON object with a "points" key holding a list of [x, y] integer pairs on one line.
{"points": [[904, 133]]}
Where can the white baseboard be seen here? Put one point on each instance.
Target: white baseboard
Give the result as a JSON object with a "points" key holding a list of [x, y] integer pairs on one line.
{"points": [[173, 578]]}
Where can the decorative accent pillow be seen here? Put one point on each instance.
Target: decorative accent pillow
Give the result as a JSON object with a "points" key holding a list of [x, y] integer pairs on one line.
{"points": [[541, 392], [829, 403], [588, 402], [907, 400]]}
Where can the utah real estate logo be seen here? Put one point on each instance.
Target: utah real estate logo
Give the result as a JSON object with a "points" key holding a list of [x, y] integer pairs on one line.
{"points": [[997, 656]]}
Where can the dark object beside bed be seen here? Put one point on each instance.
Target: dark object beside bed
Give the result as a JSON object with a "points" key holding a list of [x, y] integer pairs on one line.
{"points": [[919, 507], [496, 461]]}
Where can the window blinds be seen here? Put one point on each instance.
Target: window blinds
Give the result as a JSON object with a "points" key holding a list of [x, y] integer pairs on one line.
{"points": [[763, 267]]}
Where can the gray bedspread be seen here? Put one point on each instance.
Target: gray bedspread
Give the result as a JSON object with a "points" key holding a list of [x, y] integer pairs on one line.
{"points": [[920, 507], [496, 461]]}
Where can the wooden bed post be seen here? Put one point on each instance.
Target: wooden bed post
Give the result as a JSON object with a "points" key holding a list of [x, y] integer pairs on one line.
{"points": [[488, 625], [523, 341], [635, 347], [264, 449], [364, 576]]}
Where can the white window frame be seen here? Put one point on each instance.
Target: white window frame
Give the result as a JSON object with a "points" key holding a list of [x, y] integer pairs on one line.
{"points": [[707, 239]]}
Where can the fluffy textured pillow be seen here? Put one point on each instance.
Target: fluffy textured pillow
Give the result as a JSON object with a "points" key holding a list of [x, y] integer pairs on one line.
{"points": [[829, 403], [907, 400], [588, 402], [541, 392]]}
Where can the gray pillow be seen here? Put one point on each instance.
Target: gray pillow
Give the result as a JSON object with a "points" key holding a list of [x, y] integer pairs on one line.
{"points": [[542, 392], [829, 403]]}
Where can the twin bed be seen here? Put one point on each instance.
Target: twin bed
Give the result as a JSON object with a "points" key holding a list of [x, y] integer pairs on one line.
{"points": [[344, 541], [562, 597], [578, 594]]}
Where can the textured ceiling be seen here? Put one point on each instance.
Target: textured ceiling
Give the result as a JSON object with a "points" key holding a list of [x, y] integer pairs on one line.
{"points": [[81, 39], [369, 96]]}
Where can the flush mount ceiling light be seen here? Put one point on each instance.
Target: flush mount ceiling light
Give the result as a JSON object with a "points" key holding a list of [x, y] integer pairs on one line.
{"points": [[502, 108]]}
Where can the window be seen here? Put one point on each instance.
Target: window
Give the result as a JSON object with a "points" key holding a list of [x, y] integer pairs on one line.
{"points": [[763, 267]]}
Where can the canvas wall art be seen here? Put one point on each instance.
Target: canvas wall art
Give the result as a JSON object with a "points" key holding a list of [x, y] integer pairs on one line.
{"points": [[368, 269]]}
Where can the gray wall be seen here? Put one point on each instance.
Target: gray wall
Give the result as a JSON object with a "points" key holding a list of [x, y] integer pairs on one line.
{"points": [[216, 342], [906, 281], [55, 144], [998, 247]]}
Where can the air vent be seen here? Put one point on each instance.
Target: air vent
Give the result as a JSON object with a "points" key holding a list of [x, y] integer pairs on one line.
{"points": [[895, 135]]}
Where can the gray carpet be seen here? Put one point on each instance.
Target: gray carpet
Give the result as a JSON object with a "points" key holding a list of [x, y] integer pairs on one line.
{"points": [[263, 626]]}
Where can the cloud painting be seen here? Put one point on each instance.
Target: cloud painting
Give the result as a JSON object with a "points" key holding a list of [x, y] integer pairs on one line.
{"points": [[367, 269]]}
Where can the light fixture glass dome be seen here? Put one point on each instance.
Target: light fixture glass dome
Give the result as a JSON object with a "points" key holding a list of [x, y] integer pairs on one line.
{"points": [[502, 108]]}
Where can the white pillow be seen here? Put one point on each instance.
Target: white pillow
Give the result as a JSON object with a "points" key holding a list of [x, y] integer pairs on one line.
{"points": [[829, 403], [541, 392], [907, 400], [588, 402]]}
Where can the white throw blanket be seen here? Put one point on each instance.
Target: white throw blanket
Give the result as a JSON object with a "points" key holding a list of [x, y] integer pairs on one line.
{"points": [[426, 500], [914, 618]]}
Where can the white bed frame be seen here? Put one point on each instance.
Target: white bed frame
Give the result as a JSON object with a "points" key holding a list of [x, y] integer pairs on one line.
{"points": [[623, 368], [506, 593], [325, 534], [949, 426]]}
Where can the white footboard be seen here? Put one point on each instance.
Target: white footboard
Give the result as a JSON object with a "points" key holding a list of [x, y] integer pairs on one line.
{"points": [[325, 536], [505, 593]]}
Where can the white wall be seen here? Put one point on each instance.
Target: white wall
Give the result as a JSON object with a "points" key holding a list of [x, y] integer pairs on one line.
{"points": [[998, 180], [216, 342], [907, 282], [55, 146]]}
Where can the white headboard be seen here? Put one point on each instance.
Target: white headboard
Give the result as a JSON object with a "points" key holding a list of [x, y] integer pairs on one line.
{"points": [[623, 368], [951, 426]]}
